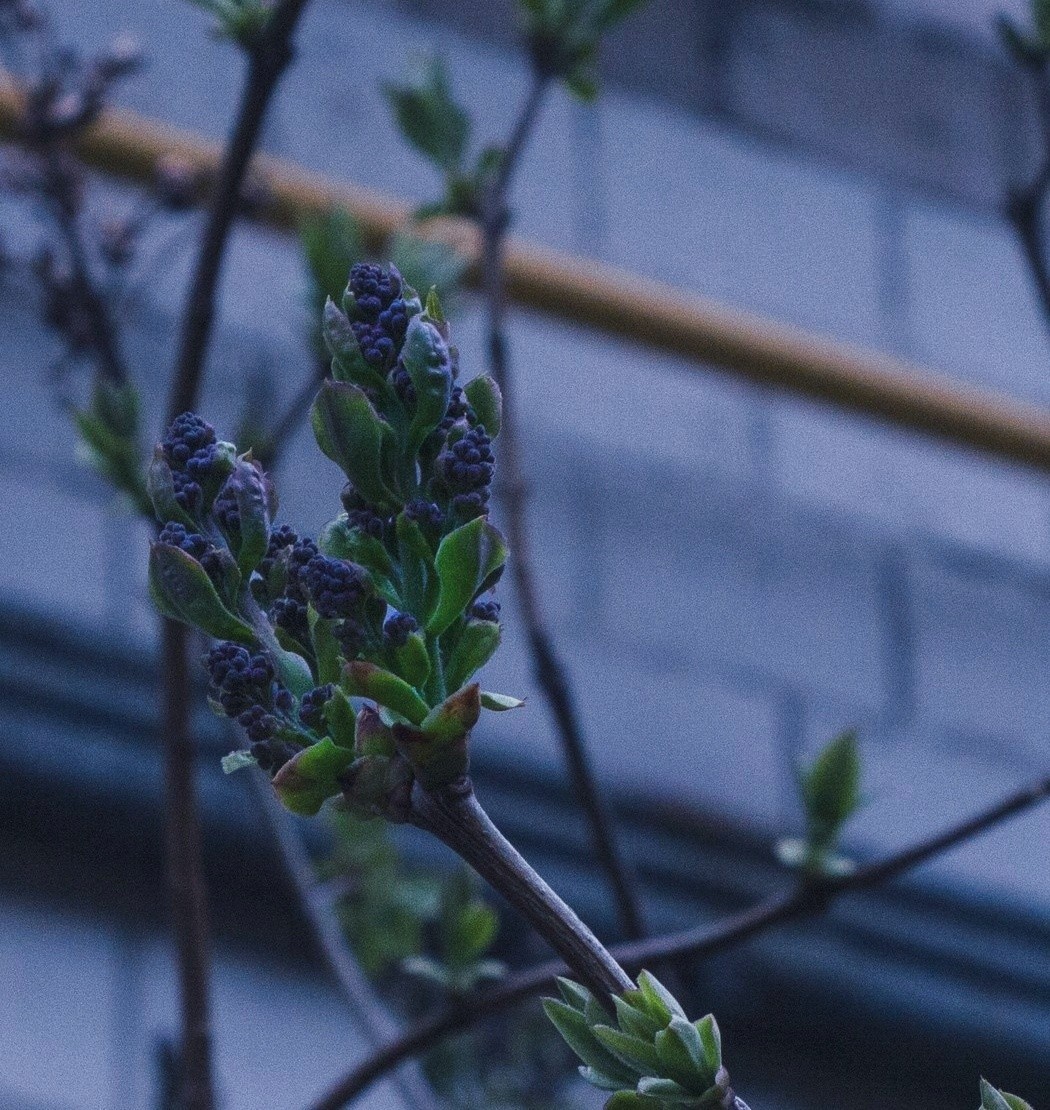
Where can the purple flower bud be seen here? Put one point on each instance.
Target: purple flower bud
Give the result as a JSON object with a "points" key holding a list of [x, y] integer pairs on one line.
{"points": [[311, 707], [398, 628]]}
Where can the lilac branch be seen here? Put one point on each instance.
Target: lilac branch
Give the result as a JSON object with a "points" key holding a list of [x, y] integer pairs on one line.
{"points": [[804, 901]]}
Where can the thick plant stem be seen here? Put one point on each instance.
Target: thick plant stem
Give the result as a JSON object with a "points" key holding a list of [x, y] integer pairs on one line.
{"points": [[549, 670], [268, 58], [185, 875], [803, 901], [456, 818]]}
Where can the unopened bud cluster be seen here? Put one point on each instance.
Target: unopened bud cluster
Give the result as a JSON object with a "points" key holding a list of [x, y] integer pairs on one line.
{"points": [[348, 659]]}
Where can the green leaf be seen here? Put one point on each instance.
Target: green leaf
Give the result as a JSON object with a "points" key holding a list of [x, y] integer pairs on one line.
{"points": [[455, 716], [577, 1034], [473, 649], [633, 1051], [682, 1052], [486, 400], [711, 1039], [348, 363], [631, 1100], [331, 243], [341, 720], [161, 491], [311, 777], [181, 590], [366, 680], [467, 559], [660, 1002], [992, 1099], [667, 1091], [600, 1079], [236, 761], [326, 649], [425, 357], [412, 661], [429, 264], [499, 703], [831, 789], [351, 433], [575, 994], [256, 506], [431, 120], [635, 1021]]}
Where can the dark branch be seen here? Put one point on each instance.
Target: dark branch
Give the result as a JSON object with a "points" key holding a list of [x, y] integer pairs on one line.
{"points": [[550, 672], [268, 58], [189, 907], [318, 905], [802, 902], [1025, 207]]}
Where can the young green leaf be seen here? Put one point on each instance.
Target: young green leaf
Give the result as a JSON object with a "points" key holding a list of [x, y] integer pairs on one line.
{"points": [[183, 591], [366, 680], [431, 120], [311, 777], [467, 562], [351, 433], [485, 399]]}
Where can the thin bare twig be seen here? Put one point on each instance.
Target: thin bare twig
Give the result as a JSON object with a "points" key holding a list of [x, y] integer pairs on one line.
{"points": [[185, 875], [1025, 207], [803, 901], [319, 906], [268, 58], [550, 672]]}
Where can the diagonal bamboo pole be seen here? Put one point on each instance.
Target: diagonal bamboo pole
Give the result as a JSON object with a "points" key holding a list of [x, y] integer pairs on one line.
{"points": [[620, 303]]}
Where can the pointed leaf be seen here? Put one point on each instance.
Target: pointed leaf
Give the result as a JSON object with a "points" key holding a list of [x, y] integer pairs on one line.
{"points": [[476, 645], [425, 357], [633, 1051], [711, 1039], [682, 1052], [366, 680], [351, 433], [311, 777], [576, 1033], [455, 716], [661, 1001], [486, 400], [465, 560], [182, 590], [499, 703]]}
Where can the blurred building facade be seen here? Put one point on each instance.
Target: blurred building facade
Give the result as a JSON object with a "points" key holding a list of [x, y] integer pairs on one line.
{"points": [[733, 575]]}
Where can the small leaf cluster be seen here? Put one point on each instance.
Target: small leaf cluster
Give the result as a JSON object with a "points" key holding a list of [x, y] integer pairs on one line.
{"points": [[992, 1099], [109, 428], [652, 1057], [439, 127], [564, 35], [348, 659], [829, 789], [240, 21], [466, 929]]}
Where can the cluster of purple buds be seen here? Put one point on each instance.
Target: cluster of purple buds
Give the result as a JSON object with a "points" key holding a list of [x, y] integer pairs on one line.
{"points": [[195, 545], [485, 611], [312, 706], [398, 628], [288, 607], [381, 311], [466, 467], [244, 685], [189, 449]]}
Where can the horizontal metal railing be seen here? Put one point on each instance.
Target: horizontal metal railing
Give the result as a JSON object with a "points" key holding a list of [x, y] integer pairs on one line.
{"points": [[620, 303]]}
